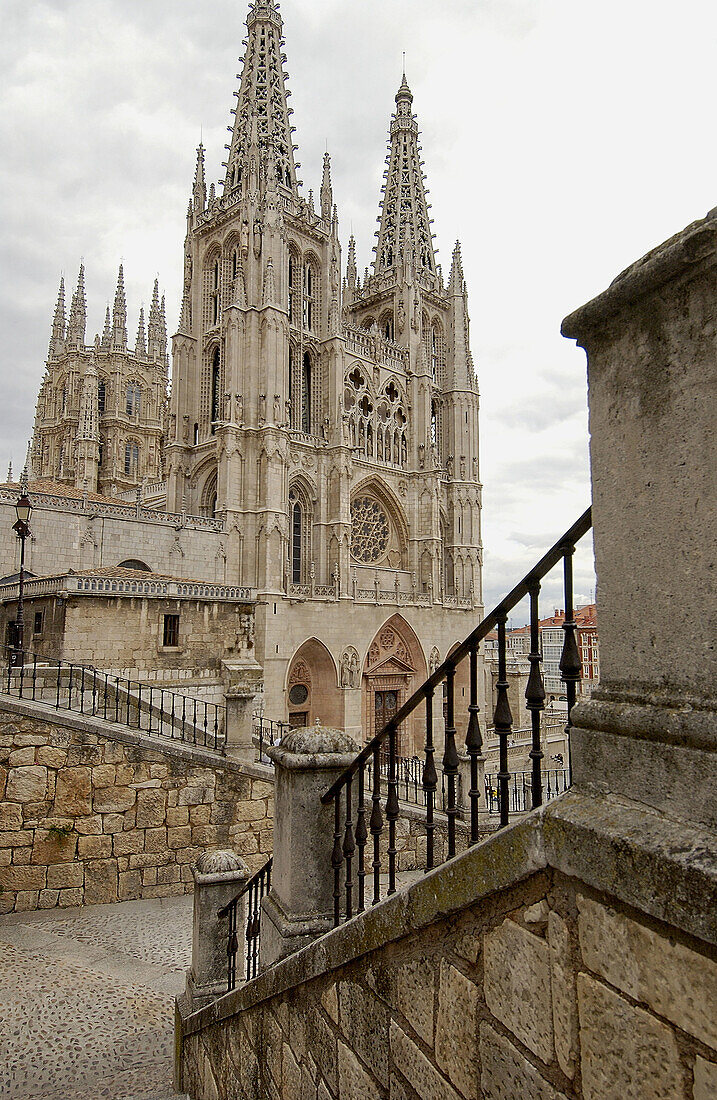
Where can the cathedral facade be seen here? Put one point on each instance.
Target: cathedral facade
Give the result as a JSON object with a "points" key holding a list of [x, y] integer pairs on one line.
{"points": [[327, 422]]}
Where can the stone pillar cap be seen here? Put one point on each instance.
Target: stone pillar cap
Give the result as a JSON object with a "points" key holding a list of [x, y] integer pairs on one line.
{"points": [[314, 746], [219, 865]]}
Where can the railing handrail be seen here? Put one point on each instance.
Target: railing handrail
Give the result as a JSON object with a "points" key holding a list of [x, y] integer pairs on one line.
{"points": [[246, 888], [522, 589]]}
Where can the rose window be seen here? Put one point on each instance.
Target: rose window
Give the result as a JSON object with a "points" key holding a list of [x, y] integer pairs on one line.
{"points": [[370, 532]]}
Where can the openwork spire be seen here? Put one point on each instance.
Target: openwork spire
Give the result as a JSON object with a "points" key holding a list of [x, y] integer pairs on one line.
{"points": [[261, 136], [57, 338], [199, 190], [140, 347], [405, 232], [78, 313], [119, 313], [456, 280], [107, 332], [327, 195]]}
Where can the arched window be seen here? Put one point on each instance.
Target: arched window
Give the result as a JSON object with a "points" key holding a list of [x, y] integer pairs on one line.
{"points": [[196, 433], [291, 284], [134, 563], [294, 400], [434, 424], [306, 395], [310, 289], [61, 462], [131, 459], [63, 400], [216, 389], [215, 292], [299, 536], [134, 399], [386, 325], [101, 395]]}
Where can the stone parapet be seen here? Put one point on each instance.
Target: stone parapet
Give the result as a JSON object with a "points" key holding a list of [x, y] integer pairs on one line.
{"points": [[90, 814]]}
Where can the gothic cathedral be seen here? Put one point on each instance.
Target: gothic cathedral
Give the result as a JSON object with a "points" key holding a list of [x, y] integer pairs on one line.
{"points": [[328, 422]]}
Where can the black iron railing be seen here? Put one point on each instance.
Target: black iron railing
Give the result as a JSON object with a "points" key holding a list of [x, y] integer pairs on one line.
{"points": [[409, 779], [131, 703], [253, 891], [266, 732], [555, 781], [353, 791]]}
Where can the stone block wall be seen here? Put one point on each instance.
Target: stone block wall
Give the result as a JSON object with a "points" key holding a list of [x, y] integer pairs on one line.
{"points": [[549, 990], [87, 817]]}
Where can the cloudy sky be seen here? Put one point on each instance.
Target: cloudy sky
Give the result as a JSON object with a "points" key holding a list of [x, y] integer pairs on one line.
{"points": [[562, 140]]}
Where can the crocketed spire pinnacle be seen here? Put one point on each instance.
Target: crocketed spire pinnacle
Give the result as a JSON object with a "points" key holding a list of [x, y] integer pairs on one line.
{"points": [[261, 126], [119, 313], [78, 313], [405, 225], [140, 347], [58, 325]]}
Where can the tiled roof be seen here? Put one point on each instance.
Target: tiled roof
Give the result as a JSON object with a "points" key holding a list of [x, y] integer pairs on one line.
{"points": [[47, 486]]}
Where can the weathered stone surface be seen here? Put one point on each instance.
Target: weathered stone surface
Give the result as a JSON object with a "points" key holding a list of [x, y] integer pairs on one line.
{"points": [[127, 843], [506, 1074], [194, 796], [180, 837], [364, 1021], [53, 846], [418, 1071], [51, 756], [456, 1028], [151, 808], [21, 756], [705, 1080], [330, 1001], [625, 1051], [113, 799], [354, 1082], [625, 953], [517, 985], [26, 784], [10, 816], [94, 847], [65, 874], [104, 775], [100, 881], [414, 995], [290, 1075], [73, 793], [565, 1009], [23, 878], [322, 1043]]}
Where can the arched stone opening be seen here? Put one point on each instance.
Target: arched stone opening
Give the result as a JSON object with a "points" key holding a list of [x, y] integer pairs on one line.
{"points": [[461, 699], [394, 667], [312, 690]]}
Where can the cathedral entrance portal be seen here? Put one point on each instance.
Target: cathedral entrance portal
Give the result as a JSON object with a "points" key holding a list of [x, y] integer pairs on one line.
{"points": [[312, 690], [394, 668]]}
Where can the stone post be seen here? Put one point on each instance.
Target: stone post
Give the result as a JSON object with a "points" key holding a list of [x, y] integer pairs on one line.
{"points": [[299, 906], [648, 732], [218, 877], [243, 680]]}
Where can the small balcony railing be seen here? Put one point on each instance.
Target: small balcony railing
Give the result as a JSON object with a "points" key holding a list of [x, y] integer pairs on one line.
{"points": [[355, 793], [253, 892]]}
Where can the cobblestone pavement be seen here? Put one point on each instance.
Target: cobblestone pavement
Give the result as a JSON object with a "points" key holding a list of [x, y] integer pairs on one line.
{"points": [[87, 1000]]}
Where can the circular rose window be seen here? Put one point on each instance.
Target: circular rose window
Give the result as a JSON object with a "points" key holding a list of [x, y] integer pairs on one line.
{"points": [[370, 531]]}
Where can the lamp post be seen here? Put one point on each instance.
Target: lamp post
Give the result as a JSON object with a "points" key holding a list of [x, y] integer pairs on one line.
{"points": [[23, 508]]}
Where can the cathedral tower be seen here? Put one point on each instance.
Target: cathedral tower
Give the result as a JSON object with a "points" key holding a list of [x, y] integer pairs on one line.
{"points": [[100, 416]]}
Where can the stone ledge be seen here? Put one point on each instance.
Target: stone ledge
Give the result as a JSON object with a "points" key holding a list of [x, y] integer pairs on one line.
{"points": [[686, 727], [663, 868], [685, 254]]}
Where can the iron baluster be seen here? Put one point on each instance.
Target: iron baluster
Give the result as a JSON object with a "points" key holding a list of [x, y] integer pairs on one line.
{"points": [[139, 705], [194, 722], [535, 697], [348, 849], [69, 687], [392, 809], [337, 859], [232, 948], [502, 721], [205, 725], [430, 779], [450, 759], [34, 673], [361, 838], [82, 690], [376, 824], [570, 665], [474, 742]]}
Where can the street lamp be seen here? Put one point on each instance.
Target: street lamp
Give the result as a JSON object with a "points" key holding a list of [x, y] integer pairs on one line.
{"points": [[23, 508]]}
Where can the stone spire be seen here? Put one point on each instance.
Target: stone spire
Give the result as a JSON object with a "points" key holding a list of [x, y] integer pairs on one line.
{"points": [[351, 273], [119, 313], [462, 373], [261, 135], [404, 222], [78, 313], [57, 338], [456, 282], [140, 347], [269, 284], [199, 191], [154, 330], [107, 333], [327, 195], [162, 329]]}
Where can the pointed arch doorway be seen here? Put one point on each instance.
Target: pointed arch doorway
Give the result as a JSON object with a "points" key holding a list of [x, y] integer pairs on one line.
{"points": [[393, 669]]}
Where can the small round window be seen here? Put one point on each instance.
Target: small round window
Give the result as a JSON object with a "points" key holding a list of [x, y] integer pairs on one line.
{"points": [[298, 694]]}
